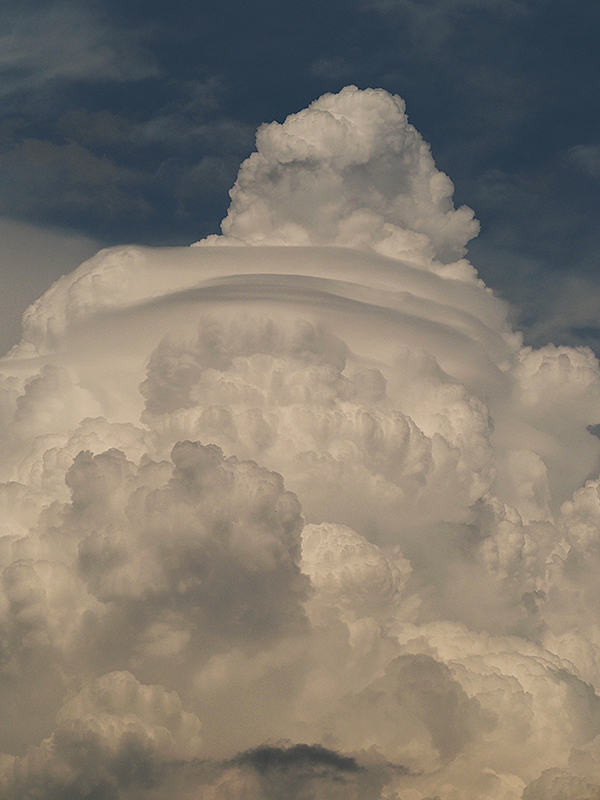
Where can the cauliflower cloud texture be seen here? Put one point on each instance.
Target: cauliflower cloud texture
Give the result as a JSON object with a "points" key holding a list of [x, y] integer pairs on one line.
{"points": [[293, 513]]}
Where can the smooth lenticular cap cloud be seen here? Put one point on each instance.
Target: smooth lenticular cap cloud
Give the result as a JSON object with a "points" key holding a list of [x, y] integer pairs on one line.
{"points": [[379, 307], [124, 277], [362, 295]]}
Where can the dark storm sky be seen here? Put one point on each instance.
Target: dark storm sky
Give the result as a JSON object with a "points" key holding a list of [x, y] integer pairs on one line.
{"points": [[126, 121]]}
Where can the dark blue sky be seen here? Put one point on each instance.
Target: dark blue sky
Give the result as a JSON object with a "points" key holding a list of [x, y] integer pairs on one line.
{"points": [[126, 121]]}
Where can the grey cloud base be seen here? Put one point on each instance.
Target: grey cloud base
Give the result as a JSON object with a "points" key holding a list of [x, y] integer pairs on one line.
{"points": [[293, 513]]}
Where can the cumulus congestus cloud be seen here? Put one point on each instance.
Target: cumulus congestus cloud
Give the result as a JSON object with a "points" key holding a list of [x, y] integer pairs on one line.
{"points": [[293, 513]]}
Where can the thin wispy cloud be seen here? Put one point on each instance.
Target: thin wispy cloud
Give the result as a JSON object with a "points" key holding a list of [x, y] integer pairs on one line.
{"points": [[45, 44], [431, 24]]}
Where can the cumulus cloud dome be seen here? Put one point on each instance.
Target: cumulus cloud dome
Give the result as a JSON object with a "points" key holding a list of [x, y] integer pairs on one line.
{"points": [[351, 171], [293, 513]]}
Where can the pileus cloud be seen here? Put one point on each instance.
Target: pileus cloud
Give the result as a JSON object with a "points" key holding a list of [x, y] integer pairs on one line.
{"points": [[293, 512]]}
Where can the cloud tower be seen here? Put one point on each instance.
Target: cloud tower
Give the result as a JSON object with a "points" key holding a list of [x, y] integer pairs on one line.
{"points": [[293, 512]]}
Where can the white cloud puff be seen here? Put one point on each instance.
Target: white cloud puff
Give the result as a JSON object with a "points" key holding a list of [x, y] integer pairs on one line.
{"points": [[351, 572], [294, 513], [350, 171], [115, 735]]}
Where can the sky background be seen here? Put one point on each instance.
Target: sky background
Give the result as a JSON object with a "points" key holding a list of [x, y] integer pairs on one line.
{"points": [[126, 122], [301, 521]]}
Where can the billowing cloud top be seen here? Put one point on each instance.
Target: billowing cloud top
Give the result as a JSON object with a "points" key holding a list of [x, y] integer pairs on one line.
{"points": [[350, 171], [293, 513]]}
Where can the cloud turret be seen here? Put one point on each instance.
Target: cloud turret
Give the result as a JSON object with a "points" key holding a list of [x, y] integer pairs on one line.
{"points": [[349, 170]]}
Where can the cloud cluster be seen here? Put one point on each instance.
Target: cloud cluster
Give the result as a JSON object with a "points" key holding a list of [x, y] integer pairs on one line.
{"points": [[350, 171], [301, 520]]}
